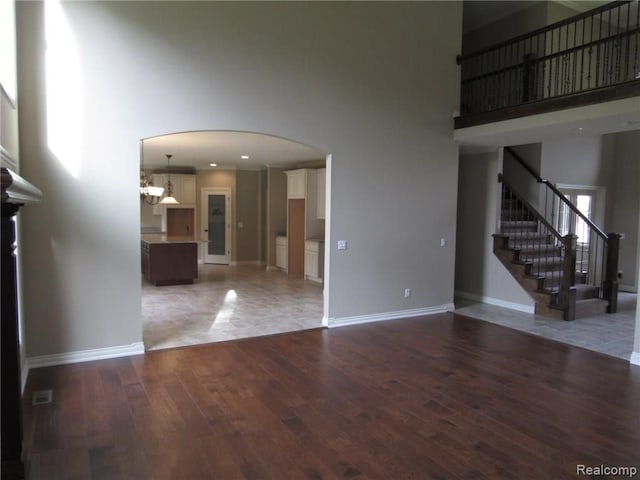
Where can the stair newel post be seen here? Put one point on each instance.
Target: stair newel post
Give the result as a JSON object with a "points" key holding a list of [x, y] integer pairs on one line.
{"points": [[567, 287], [610, 282]]}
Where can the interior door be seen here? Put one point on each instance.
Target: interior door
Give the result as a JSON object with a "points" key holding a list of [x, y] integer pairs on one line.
{"points": [[216, 225]]}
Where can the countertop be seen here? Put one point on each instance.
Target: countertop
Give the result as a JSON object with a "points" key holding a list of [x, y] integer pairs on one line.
{"points": [[163, 238]]}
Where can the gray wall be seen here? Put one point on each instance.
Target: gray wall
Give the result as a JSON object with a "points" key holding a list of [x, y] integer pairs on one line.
{"points": [[625, 196], [479, 274], [374, 84], [248, 220], [517, 176], [525, 20]]}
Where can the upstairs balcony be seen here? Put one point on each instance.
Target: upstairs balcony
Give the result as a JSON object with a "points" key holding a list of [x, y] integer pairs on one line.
{"points": [[590, 58]]}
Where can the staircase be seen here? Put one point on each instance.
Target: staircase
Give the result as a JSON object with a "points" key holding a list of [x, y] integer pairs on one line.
{"points": [[544, 262], [536, 259]]}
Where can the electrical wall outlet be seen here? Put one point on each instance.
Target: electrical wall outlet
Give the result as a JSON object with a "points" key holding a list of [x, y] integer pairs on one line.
{"points": [[407, 292], [342, 244]]}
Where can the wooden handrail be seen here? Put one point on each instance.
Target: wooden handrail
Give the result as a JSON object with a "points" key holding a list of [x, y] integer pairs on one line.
{"points": [[557, 192]]}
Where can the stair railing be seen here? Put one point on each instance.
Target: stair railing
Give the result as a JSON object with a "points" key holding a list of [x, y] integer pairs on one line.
{"points": [[591, 254], [596, 49], [522, 218]]}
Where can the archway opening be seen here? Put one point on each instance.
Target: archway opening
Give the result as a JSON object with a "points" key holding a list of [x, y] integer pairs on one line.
{"points": [[235, 197]]}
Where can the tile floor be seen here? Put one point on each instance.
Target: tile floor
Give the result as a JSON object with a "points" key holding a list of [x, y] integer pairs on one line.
{"points": [[228, 302], [611, 334]]}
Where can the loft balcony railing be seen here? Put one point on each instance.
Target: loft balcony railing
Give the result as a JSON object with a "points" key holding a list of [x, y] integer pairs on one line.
{"points": [[595, 50]]}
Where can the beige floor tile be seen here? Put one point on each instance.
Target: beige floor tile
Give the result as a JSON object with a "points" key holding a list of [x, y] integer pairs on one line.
{"points": [[226, 303]]}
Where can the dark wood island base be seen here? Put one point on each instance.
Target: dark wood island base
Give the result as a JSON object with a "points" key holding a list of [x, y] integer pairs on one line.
{"points": [[169, 262]]}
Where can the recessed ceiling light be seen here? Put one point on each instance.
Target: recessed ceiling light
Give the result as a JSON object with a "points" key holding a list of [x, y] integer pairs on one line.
{"points": [[244, 157], [213, 164]]}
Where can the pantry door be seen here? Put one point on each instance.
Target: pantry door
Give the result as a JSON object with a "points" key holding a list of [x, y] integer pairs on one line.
{"points": [[216, 225]]}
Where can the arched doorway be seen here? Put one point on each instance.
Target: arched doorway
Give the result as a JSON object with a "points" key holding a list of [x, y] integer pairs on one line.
{"points": [[250, 294]]}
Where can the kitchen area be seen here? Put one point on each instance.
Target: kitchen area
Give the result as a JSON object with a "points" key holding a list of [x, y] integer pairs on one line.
{"points": [[238, 252], [293, 226], [169, 248]]}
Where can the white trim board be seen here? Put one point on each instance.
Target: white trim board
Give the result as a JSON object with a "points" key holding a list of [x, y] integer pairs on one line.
{"points": [[136, 348], [520, 307], [627, 288], [635, 358], [379, 317]]}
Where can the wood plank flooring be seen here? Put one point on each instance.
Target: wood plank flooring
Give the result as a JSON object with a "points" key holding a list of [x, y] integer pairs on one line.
{"points": [[436, 397]]}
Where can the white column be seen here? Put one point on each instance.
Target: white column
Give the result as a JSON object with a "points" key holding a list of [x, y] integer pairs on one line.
{"points": [[635, 355]]}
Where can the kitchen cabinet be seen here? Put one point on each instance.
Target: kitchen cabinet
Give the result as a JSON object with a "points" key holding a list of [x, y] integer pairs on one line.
{"points": [[321, 181], [297, 183], [314, 260], [184, 190], [281, 252], [303, 223]]}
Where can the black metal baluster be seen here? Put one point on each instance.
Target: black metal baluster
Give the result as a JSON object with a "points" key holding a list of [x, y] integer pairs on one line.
{"points": [[627, 51], [599, 44], [582, 50], [590, 74]]}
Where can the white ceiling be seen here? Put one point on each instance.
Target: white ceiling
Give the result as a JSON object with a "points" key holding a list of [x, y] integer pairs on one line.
{"points": [[598, 119], [225, 148]]}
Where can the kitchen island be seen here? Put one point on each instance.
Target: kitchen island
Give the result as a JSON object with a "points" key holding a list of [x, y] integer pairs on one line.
{"points": [[169, 260]]}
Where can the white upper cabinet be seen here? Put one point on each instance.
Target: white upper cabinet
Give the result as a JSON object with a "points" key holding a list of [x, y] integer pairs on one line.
{"points": [[296, 183], [184, 186], [184, 190]]}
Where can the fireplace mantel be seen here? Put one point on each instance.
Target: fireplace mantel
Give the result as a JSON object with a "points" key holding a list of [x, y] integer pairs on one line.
{"points": [[16, 192]]}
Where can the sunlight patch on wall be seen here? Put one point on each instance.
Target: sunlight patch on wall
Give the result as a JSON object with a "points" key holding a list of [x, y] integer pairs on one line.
{"points": [[63, 89]]}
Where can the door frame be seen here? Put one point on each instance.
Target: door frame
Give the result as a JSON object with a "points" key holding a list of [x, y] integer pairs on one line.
{"points": [[599, 194], [204, 221]]}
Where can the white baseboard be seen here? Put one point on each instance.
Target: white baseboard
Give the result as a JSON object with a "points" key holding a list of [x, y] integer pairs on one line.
{"points": [[247, 262], [379, 317], [136, 348], [496, 301], [635, 358], [627, 288]]}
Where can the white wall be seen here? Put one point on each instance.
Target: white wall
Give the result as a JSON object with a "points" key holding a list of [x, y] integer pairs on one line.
{"points": [[374, 84]]}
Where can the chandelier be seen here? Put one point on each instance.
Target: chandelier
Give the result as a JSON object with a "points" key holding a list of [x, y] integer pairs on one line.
{"points": [[148, 192]]}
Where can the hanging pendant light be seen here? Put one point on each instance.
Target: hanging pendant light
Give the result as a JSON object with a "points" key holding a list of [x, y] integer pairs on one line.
{"points": [[169, 199], [148, 192]]}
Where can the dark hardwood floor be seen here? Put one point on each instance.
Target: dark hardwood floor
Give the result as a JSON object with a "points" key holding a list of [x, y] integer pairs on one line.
{"points": [[437, 397]]}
